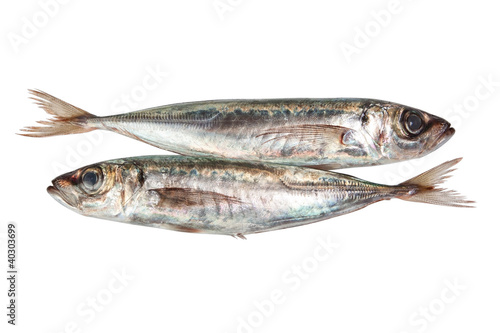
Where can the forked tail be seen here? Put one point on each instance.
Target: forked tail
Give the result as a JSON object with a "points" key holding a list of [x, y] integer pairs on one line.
{"points": [[424, 187], [68, 119]]}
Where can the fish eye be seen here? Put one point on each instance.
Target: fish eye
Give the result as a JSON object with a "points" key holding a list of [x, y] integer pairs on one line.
{"points": [[91, 179], [413, 122]]}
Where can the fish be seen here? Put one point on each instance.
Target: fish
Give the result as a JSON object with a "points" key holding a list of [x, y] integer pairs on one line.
{"points": [[319, 133], [230, 197]]}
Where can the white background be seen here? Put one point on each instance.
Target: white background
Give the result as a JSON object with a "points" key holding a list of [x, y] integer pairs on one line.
{"points": [[395, 260]]}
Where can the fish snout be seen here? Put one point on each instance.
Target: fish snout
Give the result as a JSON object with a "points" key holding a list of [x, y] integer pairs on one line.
{"points": [[63, 192], [442, 131]]}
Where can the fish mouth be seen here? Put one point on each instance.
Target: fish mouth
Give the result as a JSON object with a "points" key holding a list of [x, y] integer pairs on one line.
{"points": [[61, 197], [446, 133]]}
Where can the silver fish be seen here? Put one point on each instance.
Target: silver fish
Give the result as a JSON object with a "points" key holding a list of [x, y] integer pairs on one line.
{"points": [[320, 133], [206, 195]]}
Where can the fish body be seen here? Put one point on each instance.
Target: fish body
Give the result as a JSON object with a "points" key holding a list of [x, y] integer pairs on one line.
{"points": [[320, 133], [207, 195]]}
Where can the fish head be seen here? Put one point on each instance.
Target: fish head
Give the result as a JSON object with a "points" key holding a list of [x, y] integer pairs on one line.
{"points": [[400, 132], [99, 190]]}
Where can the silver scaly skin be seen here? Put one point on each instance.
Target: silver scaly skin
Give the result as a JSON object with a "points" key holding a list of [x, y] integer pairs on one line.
{"points": [[207, 195], [320, 133]]}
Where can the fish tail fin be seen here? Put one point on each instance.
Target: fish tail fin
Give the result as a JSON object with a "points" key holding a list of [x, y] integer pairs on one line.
{"points": [[68, 119], [424, 187]]}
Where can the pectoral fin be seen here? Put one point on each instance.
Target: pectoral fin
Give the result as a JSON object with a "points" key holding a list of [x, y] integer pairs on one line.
{"points": [[176, 197], [326, 167], [312, 134]]}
